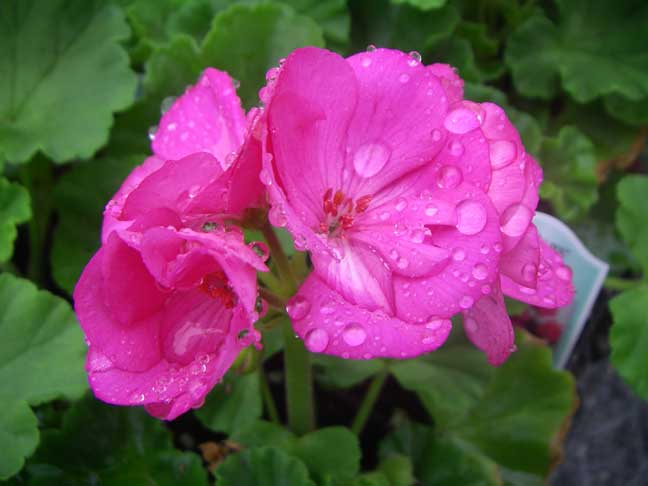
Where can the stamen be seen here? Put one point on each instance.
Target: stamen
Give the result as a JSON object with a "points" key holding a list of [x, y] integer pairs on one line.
{"points": [[216, 285]]}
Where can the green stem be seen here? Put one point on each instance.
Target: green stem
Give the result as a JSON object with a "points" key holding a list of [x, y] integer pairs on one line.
{"points": [[616, 283], [299, 383], [271, 407], [281, 260], [369, 401], [273, 300]]}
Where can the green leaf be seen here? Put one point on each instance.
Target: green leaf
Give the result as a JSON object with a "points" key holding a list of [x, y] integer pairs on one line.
{"points": [[41, 357], [629, 337], [422, 4], [401, 26], [15, 208], [234, 405], [595, 48], [511, 417], [263, 466], [332, 15], [18, 435], [79, 198], [100, 444], [42, 349], [631, 217], [329, 453], [628, 111], [569, 164], [398, 469], [64, 74], [231, 46], [344, 373]]}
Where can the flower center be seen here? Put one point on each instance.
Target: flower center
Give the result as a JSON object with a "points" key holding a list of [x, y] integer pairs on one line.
{"points": [[340, 211], [216, 285]]}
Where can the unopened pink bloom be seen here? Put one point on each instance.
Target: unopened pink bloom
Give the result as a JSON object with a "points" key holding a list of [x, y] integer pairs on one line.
{"points": [[169, 300], [407, 199]]}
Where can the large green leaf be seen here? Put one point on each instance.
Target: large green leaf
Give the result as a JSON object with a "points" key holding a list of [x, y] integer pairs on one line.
{"points": [[41, 357], [18, 435], [79, 197], [233, 406], [629, 337], [15, 208], [634, 112], [100, 444], [329, 453], [631, 219], [62, 75], [263, 466], [246, 54], [511, 417], [422, 4], [596, 47], [569, 164], [344, 373]]}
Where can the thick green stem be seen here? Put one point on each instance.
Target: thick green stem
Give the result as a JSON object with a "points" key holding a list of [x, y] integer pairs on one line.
{"points": [[273, 300], [369, 401], [299, 383], [271, 407], [286, 276], [616, 283]]}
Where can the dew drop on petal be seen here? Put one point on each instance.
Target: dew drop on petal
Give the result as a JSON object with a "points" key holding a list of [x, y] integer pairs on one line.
{"points": [[417, 236], [563, 272], [431, 210], [277, 217], [458, 254], [404, 78], [354, 334], [436, 134], [456, 148], [401, 204], [529, 272], [298, 307], [434, 324], [466, 302], [449, 177], [471, 217], [327, 309], [167, 103], [461, 120], [480, 271], [402, 263], [486, 289], [152, 131], [502, 153], [515, 220], [415, 55], [371, 48], [316, 340], [370, 158]]}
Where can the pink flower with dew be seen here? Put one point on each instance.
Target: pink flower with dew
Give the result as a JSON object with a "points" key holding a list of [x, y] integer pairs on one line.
{"points": [[169, 300], [414, 203]]}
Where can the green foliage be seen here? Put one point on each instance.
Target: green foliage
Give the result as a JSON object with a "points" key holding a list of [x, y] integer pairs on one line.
{"points": [[15, 208], [64, 74], [631, 217]]}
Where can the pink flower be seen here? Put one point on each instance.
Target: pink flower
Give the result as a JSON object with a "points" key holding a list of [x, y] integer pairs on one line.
{"points": [[169, 300], [414, 204]]}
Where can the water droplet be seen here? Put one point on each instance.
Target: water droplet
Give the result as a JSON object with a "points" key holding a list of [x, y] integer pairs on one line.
{"points": [[298, 307], [371, 48], [152, 131], [404, 78], [328, 309], [300, 243], [316, 340], [354, 334], [277, 217], [470, 324], [265, 177], [456, 148], [563, 272], [486, 289], [529, 272], [370, 158], [461, 120], [401, 204], [417, 236], [402, 263], [471, 217], [466, 302], [480, 271], [449, 177], [458, 254], [137, 397], [502, 153], [260, 249], [515, 220], [393, 255], [431, 210], [384, 216], [436, 323], [167, 103], [484, 250], [415, 56], [436, 134], [366, 62]]}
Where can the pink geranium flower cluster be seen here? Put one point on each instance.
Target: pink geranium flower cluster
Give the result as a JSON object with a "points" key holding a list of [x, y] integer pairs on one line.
{"points": [[414, 204]]}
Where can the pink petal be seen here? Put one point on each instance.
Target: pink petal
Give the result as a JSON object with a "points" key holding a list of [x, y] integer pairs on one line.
{"points": [[554, 286], [467, 152], [474, 245], [521, 263], [330, 324], [451, 82], [489, 327], [207, 118], [132, 345]]}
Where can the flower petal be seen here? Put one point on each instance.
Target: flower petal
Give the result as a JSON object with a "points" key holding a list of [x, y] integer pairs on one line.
{"points": [[521, 263], [452, 84], [488, 326], [207, 118], [330, 324]]}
